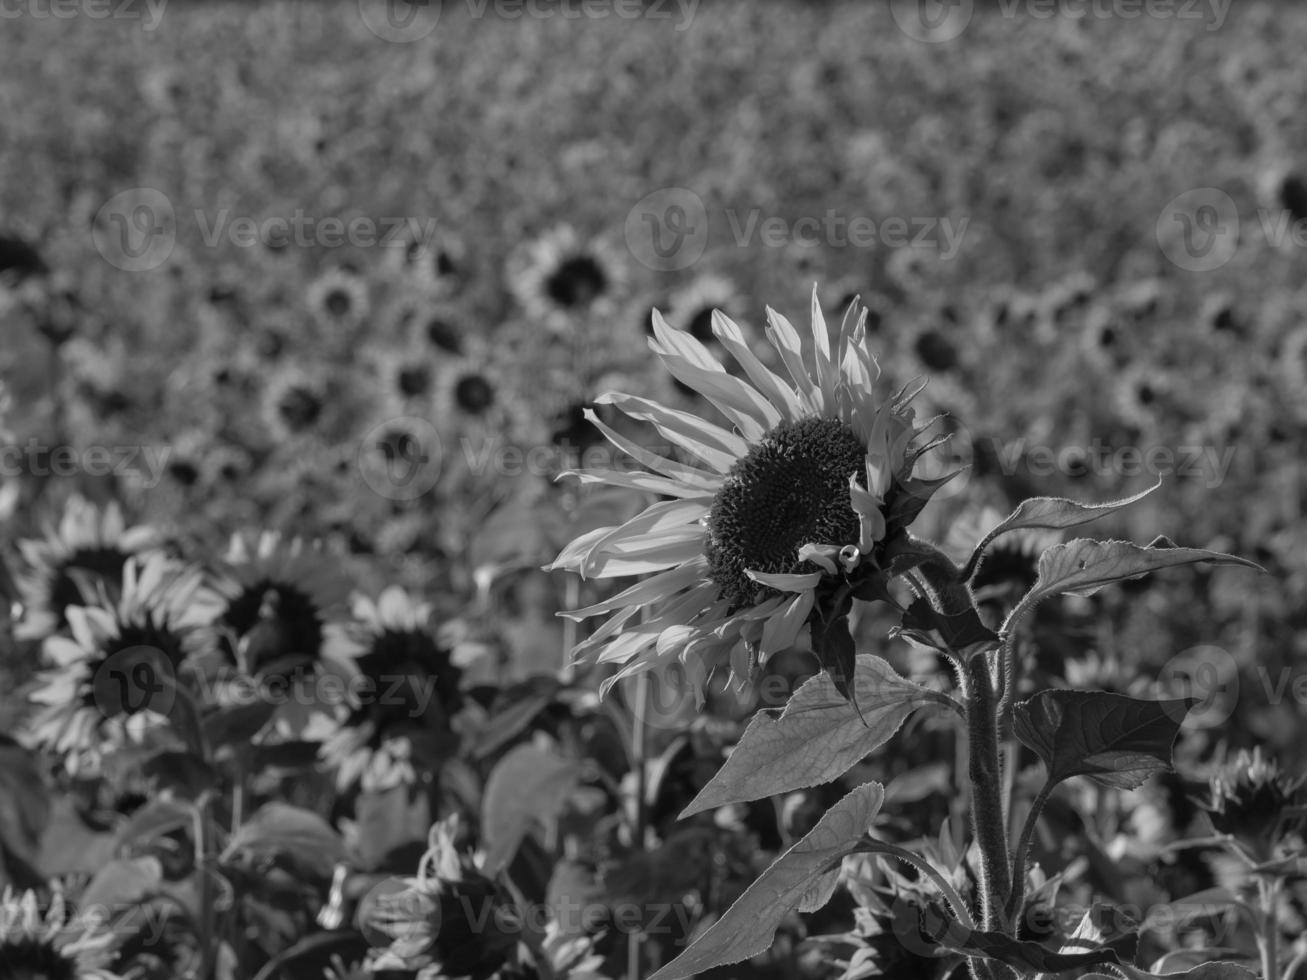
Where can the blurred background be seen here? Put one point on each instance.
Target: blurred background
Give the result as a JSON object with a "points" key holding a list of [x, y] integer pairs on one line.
{"points": [[352, 271]]}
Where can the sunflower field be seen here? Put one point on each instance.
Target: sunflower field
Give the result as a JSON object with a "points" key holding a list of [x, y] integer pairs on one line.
{"points": [[652, 489]]}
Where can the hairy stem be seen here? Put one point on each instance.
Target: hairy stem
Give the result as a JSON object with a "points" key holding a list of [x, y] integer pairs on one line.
{"points": [[986, 792], [1023, 854]]}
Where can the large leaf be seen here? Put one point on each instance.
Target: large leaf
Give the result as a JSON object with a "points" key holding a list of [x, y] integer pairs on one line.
{"points": [[1083, 566], [528, 784], [1205, 971], [1052, 514], [748, 927], [817, 737], [1116, 740], [122, 882], [279, 829], [24, 804]]}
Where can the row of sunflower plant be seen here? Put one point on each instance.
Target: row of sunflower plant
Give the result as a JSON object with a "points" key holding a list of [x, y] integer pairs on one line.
{"points": [[246, 767]]}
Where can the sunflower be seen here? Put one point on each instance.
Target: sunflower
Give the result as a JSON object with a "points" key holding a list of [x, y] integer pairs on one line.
{"points": [[449, 920], [106, 681], [294, 404], [338, 298], [281, 603], [560, 277], [809, 486], [53, 945], [89, 543], [411, 690], [437, 263]]}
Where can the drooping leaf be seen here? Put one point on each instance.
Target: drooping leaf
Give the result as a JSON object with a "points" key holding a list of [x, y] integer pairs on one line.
{"points": [[1116, 740], [1083, 566], [279, 829], [388, 820], [526, 785], [235, 726], [796, 878], [122, 882], [833, 644], [1029, 956], [160, 816], [1052, 514], [1204, 971], [817, 737], [946, 632], [513, 712]]}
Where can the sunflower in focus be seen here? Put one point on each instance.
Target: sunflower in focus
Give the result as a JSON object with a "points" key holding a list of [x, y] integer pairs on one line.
{"points": [[778, 518], [399, 719], [89, 544], [52, 945], [106, 682]]}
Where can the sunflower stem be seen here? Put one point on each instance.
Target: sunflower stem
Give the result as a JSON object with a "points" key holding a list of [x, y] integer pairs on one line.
{"points": [[986, 787]]}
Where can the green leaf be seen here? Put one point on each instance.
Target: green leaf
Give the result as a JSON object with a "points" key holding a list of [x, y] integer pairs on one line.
{"points": [[1051, 514], [122, 882], [947, 632], [528, 784], [235, 726], [160, 816], [1083, 566], [748, 927], [1205, 971], [1029, 956], [833, 644], [1116, 740], [817, 737], [24, 803], [388, 820], [279, 829]]}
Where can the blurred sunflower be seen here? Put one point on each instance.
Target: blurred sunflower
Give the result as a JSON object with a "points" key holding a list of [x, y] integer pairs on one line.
{"points": [[151, 628], [89, 544], [1253, 800], [806, 480], [1140, 395], [450, 920], [281, 603], [338, 298], [560, 277], [294, 402], [51, 945], [436, 262], [692, 306], [475, 391], [412, 690]]}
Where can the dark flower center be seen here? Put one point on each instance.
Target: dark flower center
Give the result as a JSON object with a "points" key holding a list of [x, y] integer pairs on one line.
{"points": [[576, 282], [299, 408], [414, 678], [413, 380], [30, 959], [294, 629], [444, 335], [338, 302], [936, 351], [792, 488], [474, 394], [700, 325]]}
